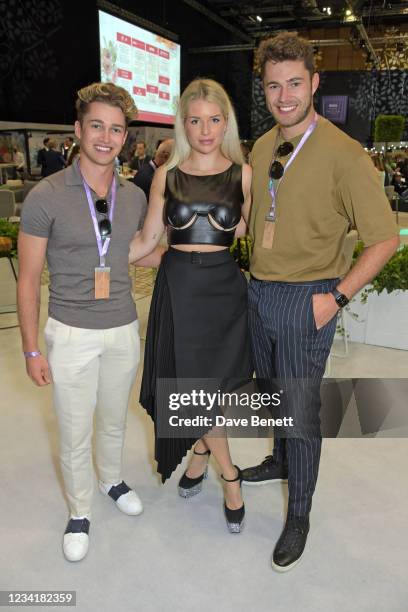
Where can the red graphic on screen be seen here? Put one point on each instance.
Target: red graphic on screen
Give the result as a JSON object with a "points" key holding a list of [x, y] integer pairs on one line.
{"points": [[124, 74], [123, 38], [152, 49], [138, 43], [155, 117]]}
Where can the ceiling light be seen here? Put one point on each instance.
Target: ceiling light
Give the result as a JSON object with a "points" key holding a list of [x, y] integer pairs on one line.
{"points": [[349, 16], [259, 18]]}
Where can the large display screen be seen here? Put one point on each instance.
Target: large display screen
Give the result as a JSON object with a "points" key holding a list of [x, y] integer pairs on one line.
{"points": [[145, 64]]}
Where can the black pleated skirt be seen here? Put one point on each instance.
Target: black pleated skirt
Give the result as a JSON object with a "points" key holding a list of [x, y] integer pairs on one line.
{"points": [[197, 328]]}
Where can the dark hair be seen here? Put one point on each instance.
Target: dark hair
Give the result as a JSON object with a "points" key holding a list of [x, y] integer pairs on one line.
{"points": [[46, 140], [141, 142], [286, 46], [109, 94]]}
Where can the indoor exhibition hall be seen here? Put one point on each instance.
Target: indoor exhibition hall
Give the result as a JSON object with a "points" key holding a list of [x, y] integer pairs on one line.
{"points": [[204, 305]]}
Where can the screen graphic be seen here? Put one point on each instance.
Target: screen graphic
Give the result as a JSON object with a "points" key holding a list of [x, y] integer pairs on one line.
{"points": [[145, 64]]}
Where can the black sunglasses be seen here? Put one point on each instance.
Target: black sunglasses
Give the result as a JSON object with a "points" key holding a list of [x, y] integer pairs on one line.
{"points": [[105, 226], [276, 169]]}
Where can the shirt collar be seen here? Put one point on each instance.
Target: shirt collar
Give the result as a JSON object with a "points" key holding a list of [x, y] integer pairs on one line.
{"points": [[73, 176]]}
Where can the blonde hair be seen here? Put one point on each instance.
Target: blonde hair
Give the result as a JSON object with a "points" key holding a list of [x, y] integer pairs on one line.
{"points": [[210, 91], [109, 94]]}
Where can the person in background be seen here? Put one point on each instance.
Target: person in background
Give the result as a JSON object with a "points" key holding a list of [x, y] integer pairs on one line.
{"points": [[66, 147], [246, 150], [41, 154], [398, 182], [74, 154], [19, 159], [378, 162], [139, 158], [53, 160], [144, 177]]}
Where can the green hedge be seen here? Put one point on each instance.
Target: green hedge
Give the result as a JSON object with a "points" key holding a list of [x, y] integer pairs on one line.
{"points": [[389, 128]]}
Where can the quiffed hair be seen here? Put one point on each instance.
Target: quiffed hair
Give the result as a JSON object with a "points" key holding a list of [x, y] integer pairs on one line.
{"points": [[286, 46], [109, 94]]}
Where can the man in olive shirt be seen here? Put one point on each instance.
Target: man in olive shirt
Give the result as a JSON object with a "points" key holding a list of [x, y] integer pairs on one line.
{"points": [[310, 183], [82, 220]]}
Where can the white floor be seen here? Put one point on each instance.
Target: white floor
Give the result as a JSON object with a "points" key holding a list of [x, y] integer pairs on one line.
{"points": [[178, 555]]}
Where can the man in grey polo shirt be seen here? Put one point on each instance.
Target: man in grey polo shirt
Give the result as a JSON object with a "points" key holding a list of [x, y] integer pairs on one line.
{"points": [[82, 220]]}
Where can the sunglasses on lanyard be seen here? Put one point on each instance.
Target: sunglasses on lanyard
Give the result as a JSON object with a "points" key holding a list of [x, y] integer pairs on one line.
{"points": [[105, 226], [276, 169]]}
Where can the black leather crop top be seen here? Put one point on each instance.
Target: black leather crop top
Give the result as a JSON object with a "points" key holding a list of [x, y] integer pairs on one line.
{"points": [[203, 209]]}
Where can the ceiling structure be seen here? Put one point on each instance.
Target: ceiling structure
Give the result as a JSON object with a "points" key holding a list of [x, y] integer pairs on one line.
{"points": [[372, 22], [259, 17]]}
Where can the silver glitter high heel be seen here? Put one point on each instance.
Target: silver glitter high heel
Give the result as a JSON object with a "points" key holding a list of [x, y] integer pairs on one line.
{"points": [[188, 487], [234, 518]]}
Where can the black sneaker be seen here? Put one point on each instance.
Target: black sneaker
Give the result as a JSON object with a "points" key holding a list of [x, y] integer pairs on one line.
{"points": [[268, 471], [291, 544]]}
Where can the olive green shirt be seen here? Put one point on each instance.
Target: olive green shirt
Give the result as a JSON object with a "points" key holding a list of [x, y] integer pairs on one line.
{"points": [[330, 185]]}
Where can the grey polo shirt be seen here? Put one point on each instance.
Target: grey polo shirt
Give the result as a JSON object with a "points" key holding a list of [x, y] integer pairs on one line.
{"points": [[57, 209]]}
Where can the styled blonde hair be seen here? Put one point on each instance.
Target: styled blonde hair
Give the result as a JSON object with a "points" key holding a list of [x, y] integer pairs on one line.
{"points": [[210, 91], [109, 94]]}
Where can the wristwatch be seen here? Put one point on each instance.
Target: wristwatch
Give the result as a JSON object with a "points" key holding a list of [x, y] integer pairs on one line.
{"points": [[341, 299]]}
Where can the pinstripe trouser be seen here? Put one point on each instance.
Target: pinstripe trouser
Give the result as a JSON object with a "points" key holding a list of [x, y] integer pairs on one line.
{"points": [[286, 345]]}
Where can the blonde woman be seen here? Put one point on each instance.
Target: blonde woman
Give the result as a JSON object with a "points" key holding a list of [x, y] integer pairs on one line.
{"points": [[198, 317]]}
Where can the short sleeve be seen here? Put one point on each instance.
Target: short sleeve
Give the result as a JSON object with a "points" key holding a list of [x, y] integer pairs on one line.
{"points": [[38, 212], [362, 198]]}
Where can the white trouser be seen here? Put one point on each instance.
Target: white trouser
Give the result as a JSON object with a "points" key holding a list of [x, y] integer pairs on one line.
{"points": [[91, 368]]}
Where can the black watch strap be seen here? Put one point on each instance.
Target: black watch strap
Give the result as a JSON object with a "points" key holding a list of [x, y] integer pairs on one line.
{"points": [[341, 299]]}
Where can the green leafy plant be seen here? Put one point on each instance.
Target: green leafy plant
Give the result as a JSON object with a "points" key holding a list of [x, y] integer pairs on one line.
{"points": [[389, 128], [11, 231], [393, 276]]}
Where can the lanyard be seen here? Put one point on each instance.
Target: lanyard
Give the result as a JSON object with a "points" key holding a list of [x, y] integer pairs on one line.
{"points": [[103, 245], [271, 216]]}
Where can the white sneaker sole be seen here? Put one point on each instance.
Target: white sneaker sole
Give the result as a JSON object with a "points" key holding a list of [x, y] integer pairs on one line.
{"points": [[263, 482], [282, 569]]}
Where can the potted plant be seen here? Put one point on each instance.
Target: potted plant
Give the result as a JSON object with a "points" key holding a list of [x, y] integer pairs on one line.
{"points": [[378, 314]]}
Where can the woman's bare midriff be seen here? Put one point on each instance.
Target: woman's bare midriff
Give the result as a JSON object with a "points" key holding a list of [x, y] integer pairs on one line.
{"points": [[202, 248]]}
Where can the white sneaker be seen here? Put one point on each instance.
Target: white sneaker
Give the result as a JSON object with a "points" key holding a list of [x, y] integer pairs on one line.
{"points": [[76, 540], [125, 498]]}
